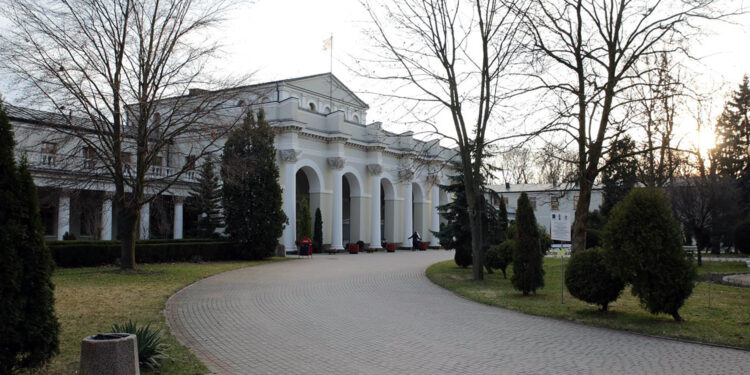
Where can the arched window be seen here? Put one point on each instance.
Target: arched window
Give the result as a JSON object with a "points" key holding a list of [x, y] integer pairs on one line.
{"points": [[312, 106], [265, 100], [356, 119], [157, 118], [241, 103], [328, 110]]}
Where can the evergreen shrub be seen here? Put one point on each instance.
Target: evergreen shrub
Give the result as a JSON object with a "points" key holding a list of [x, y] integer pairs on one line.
{"points": [[588, 279], [528, 273], [643, 246], [742, 236], [500, 256]]}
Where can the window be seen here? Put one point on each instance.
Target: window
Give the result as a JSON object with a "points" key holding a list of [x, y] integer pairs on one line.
{"points": [[158, 161], [533, 202], [89, 157], [190, 161], [127, 157], [356, 119], [506, 201], [328, 110], [555, 204], [49, 149], [241, 103], [575, 202], [312, 106]]}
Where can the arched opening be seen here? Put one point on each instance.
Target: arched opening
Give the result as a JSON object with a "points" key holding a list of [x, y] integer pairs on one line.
{"points": [[355, 119], [419, 205], [307, 192], [351, 209], [327, 110], [312, 106], [443, 201], [387, 211]]}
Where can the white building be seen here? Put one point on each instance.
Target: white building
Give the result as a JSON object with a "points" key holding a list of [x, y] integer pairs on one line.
{"points": [[370, 184], [545, 199]]}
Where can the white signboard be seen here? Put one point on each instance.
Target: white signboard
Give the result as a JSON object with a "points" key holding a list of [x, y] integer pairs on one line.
{"points": [[560, 228]]}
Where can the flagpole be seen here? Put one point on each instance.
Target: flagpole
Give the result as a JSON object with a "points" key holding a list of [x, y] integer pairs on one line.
{"points": [[330, 71]]}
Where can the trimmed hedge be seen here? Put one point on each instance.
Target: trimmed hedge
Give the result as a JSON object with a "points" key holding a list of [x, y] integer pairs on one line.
{"points": [[95, 253], [588, 278]]}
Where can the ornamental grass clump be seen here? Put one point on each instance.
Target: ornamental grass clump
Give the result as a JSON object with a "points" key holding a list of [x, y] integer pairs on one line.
{"points": [[151, 350], [643, 246], [588, 279]]}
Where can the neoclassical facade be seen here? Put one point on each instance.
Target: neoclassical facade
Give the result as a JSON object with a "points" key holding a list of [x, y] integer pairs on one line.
{"points": [[370, 185]]}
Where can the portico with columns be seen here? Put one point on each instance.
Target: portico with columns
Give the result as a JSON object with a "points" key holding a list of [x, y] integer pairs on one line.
{"points": [[370, 184]]}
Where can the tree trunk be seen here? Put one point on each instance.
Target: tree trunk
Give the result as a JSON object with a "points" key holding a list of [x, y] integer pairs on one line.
{"points": [[582, 214], [127, 229]]}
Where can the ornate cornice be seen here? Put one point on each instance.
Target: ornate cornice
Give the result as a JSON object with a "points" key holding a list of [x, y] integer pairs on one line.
{"points": [[289, 155], [433, 179], [336, 162], [374, 169], [405, 175]]}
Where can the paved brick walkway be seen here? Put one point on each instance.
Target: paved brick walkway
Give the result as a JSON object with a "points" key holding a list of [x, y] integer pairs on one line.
{"points": [[378, 314]]}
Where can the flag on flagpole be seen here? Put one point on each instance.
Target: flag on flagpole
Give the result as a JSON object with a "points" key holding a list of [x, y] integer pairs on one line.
{"points": [[328, 43]]}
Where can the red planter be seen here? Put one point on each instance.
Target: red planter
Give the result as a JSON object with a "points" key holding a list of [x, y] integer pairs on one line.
{"points": [[391, 247], [423, 245], [353, 248]]}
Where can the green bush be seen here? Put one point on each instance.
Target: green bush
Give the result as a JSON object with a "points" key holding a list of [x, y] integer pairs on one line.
{"points": [[643, 246], [151, 349], [742, 236], [588, 279], [94, 253], [67, 236], [545, 241], [528, 274], [500, 256]]}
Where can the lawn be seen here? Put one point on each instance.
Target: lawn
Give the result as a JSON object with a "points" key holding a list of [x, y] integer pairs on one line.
{"points": [[726, 322], [90, 300]]}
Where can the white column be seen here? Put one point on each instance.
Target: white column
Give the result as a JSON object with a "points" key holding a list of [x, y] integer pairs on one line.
{"points": [[375, 203], [408, 226], [63, 215], [178, 206], [337, 215], [435, 221], [106, 233], [144, 224], [290, 198]]}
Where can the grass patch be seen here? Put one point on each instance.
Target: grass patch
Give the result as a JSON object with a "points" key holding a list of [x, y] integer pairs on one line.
{"points": [[90, 300], [726, 322]]}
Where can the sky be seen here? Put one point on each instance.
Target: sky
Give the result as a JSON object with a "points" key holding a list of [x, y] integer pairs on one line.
{"points": [[278, 39]]}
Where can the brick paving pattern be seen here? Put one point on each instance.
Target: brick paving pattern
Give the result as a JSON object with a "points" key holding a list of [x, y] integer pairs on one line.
{"points": [[378, 314]]}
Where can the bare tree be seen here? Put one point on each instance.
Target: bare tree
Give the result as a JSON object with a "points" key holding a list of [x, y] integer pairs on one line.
{"points": [[588, 53], [119, 74], [657, 100], [450, 60], [516, 166], [555, 164]]}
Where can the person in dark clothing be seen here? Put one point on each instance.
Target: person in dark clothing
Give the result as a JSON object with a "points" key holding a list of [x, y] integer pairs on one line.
{"points": [[415, 240]]}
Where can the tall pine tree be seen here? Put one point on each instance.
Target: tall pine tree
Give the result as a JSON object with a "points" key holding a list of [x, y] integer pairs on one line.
{"points": [[733, 133], [203, 202], [251, 190], [456, 232], [318, 232], [304, 220], [621, 173], [528, 274], [28, 327]]}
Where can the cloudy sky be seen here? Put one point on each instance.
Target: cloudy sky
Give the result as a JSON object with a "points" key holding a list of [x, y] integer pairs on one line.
{"points": [[277, 39]]}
